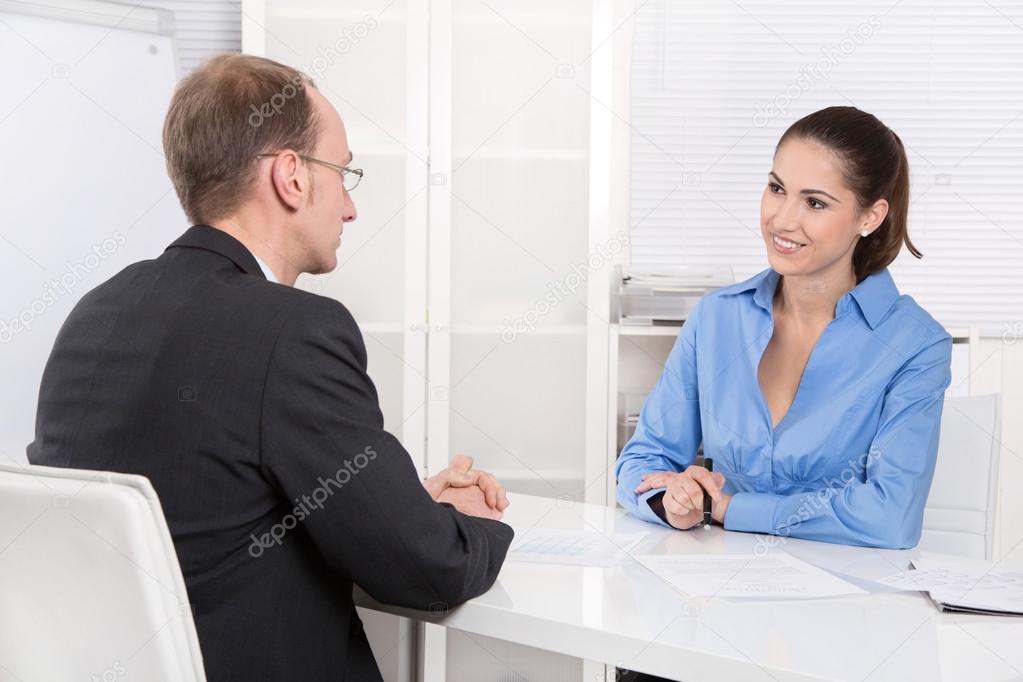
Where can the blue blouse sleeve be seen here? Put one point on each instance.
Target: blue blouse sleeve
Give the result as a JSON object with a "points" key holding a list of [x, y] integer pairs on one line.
{"points": [[886, 509], [669, 430]]}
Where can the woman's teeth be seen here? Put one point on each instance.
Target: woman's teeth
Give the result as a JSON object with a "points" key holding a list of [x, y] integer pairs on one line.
{"points": [[785, 244]]}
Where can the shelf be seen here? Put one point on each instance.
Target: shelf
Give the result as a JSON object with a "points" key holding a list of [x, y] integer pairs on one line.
{"points": [[459, 154], [479, 329], [382, 328], [400, 16], [543, 330], [275, 11], [646, 330]]}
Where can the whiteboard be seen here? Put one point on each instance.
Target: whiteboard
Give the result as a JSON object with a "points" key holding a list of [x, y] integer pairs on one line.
{"points": [[83, 187]]}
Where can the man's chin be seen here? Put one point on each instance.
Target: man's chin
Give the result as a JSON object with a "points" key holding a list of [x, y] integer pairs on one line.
{"points": [[327, 267]]}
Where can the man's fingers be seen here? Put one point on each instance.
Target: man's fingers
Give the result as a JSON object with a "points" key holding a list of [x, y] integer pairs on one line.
{"points": [[460, 463], [489, 485], [461, 479], [493, 492]]}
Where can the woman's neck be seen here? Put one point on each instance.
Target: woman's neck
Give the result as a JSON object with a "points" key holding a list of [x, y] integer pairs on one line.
{"points": [[809, 299]]}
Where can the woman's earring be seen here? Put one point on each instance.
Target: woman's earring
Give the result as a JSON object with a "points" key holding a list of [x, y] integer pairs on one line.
{"points": [[864, 233]]}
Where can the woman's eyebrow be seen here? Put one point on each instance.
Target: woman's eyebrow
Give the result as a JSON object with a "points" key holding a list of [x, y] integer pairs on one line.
{"points": [[806, 191]]}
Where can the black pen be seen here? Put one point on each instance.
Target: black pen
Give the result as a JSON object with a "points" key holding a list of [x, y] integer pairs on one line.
{"points": [[708, 464]]}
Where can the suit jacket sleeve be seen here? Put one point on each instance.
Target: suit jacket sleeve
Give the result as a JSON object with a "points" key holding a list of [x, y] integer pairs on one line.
{"points": [[324, 445]]}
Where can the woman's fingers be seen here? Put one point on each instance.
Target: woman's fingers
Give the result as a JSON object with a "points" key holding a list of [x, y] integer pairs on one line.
{"points": [[689, 484], [681, 492], [711, 482], [658, 479], [689, 493], [684, 521], [684, 492]]}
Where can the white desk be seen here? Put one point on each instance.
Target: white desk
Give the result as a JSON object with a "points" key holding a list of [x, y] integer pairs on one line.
{"points": [[626, 616]]}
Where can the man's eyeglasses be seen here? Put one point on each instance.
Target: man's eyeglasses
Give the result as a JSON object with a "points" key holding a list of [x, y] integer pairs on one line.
{"points": [[350, 177]]}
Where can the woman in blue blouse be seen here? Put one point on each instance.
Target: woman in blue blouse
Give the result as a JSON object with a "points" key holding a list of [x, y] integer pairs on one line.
{"points": [[815, 386]]}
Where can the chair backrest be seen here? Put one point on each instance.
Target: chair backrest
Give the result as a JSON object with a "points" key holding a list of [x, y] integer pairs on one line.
{"points": [[964, 342], [960, 514], [90, 586]]}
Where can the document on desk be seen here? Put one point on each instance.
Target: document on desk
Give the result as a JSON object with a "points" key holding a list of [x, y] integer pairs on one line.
{"points": [[573, 547], [964, 585], [775, 575]]}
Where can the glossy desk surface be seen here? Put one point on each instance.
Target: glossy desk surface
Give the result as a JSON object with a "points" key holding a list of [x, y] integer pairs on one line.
{"points": [[627, 616]]}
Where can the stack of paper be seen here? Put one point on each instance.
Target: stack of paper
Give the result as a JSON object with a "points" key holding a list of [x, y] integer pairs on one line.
{"points": [[964, 585], [667, 297]]}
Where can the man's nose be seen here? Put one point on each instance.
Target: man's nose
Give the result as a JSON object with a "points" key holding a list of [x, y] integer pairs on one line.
{"points": [[348, 213]]}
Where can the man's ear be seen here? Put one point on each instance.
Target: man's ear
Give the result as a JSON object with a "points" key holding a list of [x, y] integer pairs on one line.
{"points": [[873, 215], [290, 179]]}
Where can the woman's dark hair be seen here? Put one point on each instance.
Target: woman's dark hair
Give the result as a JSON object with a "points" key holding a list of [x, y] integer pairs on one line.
{"points": [[874, 166]]}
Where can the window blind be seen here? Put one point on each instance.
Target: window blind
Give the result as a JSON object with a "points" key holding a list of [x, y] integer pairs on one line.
{"points": [[714, 85], [202, 27]]}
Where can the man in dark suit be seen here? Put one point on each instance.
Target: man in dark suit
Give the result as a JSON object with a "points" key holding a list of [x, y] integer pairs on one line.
{"points": [[247, 404]]}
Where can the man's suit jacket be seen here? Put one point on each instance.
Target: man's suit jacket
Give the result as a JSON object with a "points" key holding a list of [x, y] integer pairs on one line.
{"points": [[248, 406]]}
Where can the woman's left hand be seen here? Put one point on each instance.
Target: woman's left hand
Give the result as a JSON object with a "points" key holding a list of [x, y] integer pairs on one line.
{"points": [[679, 486]]}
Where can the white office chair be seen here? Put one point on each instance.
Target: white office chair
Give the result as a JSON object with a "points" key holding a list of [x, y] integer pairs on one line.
{"points": [[90, 586], [960, 514]]}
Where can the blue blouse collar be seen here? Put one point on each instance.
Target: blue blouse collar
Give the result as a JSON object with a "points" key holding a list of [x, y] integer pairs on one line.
{"points": [[875, 295]]}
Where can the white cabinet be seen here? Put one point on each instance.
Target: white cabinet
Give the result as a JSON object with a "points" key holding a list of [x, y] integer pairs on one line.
{"points": [[468, 268], [471, 266]]}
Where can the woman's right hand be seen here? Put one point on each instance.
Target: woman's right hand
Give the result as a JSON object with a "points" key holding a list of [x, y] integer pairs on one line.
{"points": [[683, 495]]}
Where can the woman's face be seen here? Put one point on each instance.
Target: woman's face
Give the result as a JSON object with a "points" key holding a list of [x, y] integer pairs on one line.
{"points": [[809, 219]]}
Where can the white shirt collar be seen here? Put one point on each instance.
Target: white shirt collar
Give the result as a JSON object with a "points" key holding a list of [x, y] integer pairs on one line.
{"points": [[267, 272]]}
